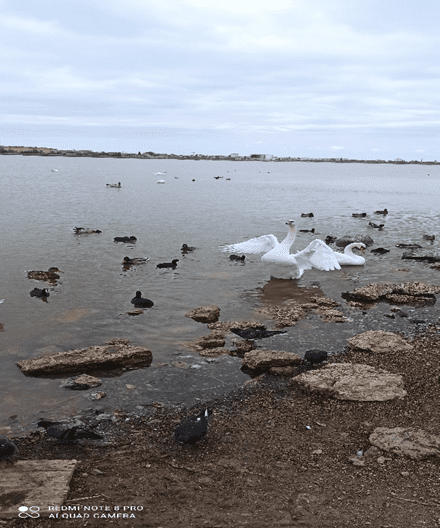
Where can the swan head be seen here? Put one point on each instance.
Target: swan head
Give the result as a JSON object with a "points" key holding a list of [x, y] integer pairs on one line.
{"points": [[291, 224], [360, 246]]}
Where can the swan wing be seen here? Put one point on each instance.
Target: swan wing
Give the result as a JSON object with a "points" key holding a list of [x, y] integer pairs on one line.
{"points": [[262, 244], [319, 255]]}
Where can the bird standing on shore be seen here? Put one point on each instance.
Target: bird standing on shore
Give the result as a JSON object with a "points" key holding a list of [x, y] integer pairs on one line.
{"points": [[67, 433], [7, 450], [193, 428]]}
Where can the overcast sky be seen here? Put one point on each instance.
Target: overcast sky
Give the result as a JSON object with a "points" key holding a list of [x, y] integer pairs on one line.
{"points": [[319, 78]]}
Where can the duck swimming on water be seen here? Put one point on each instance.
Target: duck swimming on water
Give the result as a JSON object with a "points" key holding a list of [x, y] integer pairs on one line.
{"points": [[139, 301], [359, 215], [185, 248], [172, 264], [137, 260]]}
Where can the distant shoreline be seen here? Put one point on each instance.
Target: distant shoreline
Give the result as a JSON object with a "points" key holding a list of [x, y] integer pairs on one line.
{"points": [[44, 151]]}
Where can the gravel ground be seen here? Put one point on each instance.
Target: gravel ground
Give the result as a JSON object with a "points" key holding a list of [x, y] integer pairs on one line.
{"points": [[274, 455]]}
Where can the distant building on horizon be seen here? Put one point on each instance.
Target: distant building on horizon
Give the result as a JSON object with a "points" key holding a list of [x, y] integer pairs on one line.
{"points": [[262, 157]]}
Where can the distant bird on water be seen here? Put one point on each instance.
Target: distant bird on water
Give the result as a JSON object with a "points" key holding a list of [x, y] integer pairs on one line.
{"points": [[172, 264], [193, 428], [140, 302], [65, 433], [359, 215], [307, 215], [7, 450], [384, 212], [186, 248], [132, 261]]}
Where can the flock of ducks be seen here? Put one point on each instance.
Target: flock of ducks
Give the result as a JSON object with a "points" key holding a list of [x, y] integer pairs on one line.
{"points": [[127, 262]]}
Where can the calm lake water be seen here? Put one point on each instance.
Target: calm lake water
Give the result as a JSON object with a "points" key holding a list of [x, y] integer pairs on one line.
{"points": [[40, 208]]}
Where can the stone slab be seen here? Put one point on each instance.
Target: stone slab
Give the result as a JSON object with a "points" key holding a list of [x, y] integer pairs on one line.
{"points": [[41, 484]]}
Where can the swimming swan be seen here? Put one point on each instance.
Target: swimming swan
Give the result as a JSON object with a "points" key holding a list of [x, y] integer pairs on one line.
{"points": [[316, 255], [348, 258]]}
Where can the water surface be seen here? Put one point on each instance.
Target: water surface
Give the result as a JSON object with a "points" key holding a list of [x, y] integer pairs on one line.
{"points": [[40, 208]]}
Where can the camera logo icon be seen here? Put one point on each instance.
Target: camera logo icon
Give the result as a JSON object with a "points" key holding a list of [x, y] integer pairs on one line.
{"points": [[32, 512]]}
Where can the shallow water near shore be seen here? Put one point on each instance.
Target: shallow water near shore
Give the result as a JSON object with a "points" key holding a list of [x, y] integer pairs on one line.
{"points": [[88, 306]]}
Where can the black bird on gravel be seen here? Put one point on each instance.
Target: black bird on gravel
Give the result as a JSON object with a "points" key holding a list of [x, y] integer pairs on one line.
{"points": [[67, 433], [236, 257], [193, 428], [7, 450]]}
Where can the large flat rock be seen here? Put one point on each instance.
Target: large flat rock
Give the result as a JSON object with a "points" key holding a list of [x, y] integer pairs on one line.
{"points": [[414, 293], [379, 342], [204, 314], [116, 354], [265, 359], [353, 381], [414, 443], [34, 486]]}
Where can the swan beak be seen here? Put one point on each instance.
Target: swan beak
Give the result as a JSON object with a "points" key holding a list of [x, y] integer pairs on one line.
{"points": [[290, 223], [362, 249]]}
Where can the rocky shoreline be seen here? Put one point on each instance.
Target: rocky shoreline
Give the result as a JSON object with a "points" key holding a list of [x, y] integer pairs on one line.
{"points": [[351, 443]]}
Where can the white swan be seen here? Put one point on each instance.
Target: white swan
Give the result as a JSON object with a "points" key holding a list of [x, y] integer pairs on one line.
{"points": [[316, 255], [348, 258], [160, 181]]}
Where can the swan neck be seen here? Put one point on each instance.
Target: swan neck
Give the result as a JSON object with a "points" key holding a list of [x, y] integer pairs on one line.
{"points": [[291, 235], [348, 250]]}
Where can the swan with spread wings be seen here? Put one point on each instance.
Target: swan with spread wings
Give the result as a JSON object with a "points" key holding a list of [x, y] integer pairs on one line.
{"points": [[316, 255]]}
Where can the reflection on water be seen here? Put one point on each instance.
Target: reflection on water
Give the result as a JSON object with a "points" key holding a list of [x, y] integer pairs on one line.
{"points": [[89, 304], [73, 315]]}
